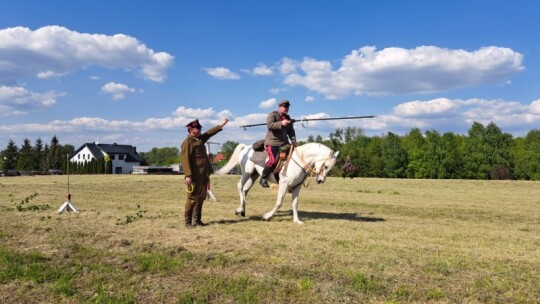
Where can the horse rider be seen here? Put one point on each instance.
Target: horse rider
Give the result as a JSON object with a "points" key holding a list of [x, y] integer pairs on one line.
{"points": [[348, 164], [197, 169], [280, 130]]}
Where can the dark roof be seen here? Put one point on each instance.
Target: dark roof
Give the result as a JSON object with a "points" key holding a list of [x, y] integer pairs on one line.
{"points": [[96, 150]]}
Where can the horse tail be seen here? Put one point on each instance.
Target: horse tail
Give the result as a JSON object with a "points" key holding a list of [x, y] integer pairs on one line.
{"points": [[233, 161]]}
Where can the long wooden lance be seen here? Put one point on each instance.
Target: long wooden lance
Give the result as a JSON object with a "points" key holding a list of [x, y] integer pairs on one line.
{"points": [[302, 120]]}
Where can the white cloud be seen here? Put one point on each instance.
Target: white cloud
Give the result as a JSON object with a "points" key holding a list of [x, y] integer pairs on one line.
{"points": [[262, 70], [54, 51], [458, 114], [309, 99], [441, 114], [49, 74], [396, 70], [535, 107], [266, 104], [191, 113], [19, 100], [277, 91], [117, 90], [221, 73], [287, 66], [431, 108]]}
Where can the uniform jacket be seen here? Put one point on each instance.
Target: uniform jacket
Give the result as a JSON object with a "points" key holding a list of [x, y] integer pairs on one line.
{"points": [[194, 157], [277, 134]]}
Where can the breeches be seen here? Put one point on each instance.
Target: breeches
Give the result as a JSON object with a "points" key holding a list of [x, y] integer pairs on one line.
{"points": [[272, 152], [199, 193]]}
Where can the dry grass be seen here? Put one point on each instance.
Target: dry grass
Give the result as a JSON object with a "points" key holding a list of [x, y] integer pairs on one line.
{"points": [[364, 241]]}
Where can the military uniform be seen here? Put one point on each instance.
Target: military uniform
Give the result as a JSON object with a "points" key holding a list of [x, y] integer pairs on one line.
{"points": [[276, 137], [196, 164]]}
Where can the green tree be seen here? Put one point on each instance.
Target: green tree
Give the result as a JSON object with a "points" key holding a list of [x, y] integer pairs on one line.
{"points": [[65, 152], [161, 156], [452, 160], [25, 161], [54, 157], [413, 144], [10, 155], [487, 152], [360, 156], [526, 154], [475, 158], [336, 138], [394, 156], [432, 156], [227, 148], [38, 155], [373, 156], [498, 151], [351, 133]]}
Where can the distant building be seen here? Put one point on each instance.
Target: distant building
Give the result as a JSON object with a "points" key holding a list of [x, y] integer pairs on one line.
{"points": [[177, 168], [219, 157], [123, 157], [152, 170]]}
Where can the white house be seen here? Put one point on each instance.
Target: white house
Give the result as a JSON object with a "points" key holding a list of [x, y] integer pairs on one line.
{"points": [[123, 157]]}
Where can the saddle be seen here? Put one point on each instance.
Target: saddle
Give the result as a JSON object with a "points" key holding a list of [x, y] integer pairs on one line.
{"points": [[260, 156]]}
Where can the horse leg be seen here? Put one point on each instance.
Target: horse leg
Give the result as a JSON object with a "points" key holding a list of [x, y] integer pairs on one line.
{"points": [[295, 193], [281, 194], [242, 208], [245, 183]]}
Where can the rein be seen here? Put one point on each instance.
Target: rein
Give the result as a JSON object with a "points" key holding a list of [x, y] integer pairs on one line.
{"points": [[307, 168]]}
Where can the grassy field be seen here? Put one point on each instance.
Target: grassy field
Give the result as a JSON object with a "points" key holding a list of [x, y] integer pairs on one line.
{"points": [[364, 241]]}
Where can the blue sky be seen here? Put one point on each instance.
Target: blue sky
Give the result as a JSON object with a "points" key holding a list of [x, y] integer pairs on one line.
{"points": [[135, 72]]}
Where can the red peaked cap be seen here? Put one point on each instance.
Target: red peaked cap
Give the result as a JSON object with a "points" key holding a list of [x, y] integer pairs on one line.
{"points": [[194, 124]]}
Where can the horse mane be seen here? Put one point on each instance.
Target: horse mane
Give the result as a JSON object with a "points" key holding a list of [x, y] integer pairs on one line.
{"points": [[307, 145]]}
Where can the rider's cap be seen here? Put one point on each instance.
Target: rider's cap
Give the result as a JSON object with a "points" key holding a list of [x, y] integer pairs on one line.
{"points": [[284, 103], [194, 124]]}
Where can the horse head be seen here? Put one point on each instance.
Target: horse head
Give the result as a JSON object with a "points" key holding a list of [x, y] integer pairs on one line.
{"points": [[324, 166]]}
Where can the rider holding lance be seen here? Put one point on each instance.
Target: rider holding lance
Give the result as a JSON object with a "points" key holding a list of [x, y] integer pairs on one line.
{"points": [[280, 130]]}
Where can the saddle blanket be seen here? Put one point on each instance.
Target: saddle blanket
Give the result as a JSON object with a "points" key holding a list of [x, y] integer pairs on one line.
{"points": [[258, 158]]}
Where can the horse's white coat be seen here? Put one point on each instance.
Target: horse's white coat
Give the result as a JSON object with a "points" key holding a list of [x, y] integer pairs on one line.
{"points": [[309, 159]]}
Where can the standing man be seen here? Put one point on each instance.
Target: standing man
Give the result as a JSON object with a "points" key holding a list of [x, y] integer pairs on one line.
{"points": [[197, 169], [280, 126]]}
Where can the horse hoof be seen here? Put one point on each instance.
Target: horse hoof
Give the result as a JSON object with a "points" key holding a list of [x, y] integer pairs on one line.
{"points": [[243, 214]]}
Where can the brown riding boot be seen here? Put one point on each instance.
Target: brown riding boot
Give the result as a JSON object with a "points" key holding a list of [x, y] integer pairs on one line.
{"points": [[197, 215], [188, 213]]}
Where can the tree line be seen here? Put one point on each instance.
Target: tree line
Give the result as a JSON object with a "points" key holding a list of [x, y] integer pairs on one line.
{"points": [[484, 153], [38, 157]]}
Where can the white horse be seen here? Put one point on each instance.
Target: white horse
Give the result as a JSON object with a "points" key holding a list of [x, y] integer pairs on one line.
{"points": [[309, 159]]}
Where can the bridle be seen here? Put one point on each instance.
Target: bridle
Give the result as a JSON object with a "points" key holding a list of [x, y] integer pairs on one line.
{"points": [[311, 169]]}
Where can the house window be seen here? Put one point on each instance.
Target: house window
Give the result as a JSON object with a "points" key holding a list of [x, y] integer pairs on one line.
{"points": [[121, 156], [78, 156]]}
